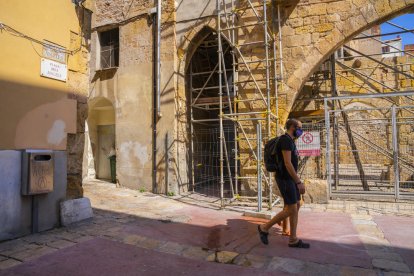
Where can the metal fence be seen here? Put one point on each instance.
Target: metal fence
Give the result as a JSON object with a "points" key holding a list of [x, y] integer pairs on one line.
{"points": [[369, 151], [206, 161], [241, 175]]}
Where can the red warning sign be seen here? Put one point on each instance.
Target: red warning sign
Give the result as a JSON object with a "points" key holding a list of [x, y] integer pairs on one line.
{"points": [[309, 144]]}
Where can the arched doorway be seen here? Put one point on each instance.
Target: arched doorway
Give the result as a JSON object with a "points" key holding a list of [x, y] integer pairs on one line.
{"points": [[203, 84], [101, 130]]}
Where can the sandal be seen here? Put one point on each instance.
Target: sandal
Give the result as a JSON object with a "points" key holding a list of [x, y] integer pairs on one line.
{"points": [[263, 235], [299, 244]]}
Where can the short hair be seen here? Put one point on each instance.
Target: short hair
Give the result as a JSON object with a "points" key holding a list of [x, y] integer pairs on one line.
{"points": [[291, 122]]}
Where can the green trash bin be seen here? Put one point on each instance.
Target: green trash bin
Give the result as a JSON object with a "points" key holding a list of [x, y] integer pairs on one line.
{"points": [[112, 161]]}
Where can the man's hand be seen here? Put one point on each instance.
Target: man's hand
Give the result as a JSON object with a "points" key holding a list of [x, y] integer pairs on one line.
{"points": [[301, 188]]}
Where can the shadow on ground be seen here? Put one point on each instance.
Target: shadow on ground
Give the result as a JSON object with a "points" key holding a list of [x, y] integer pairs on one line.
{"points": [[333, 238]]}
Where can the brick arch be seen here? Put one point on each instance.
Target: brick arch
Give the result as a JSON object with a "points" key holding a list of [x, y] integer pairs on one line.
{"points": [[338, 23]]}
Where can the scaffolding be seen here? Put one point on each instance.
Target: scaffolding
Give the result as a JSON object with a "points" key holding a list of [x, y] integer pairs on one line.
{"points": [[226, 151], [374, 165]]}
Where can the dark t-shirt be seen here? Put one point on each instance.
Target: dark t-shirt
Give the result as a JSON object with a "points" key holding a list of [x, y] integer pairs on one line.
{"points": [[286, 143]]}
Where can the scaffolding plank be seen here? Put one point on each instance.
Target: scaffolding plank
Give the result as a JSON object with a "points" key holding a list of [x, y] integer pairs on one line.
{"points": [[211, 100]]}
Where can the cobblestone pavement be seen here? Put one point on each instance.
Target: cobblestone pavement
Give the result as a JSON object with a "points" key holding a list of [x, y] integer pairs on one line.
{"points": [[135, 233]]}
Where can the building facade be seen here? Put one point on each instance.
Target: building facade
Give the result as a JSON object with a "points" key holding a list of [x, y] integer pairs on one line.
{"points": [[44, 49], [154, 146]]}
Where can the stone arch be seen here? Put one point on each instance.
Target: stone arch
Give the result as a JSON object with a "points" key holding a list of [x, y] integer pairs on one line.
{"points": [[185, 49], [191, 40], [304, 60], [100, 138], [201, 104]]}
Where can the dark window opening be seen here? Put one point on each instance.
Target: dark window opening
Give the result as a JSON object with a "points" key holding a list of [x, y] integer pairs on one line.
{"points": [[109, 41]]}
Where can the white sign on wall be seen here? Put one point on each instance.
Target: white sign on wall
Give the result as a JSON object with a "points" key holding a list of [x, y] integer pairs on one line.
{"points": [[54, 52], [309, 144], [53, 70]]}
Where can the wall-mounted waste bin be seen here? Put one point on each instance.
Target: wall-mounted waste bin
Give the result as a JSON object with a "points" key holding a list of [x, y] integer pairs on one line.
{"points": [[37, 172]]}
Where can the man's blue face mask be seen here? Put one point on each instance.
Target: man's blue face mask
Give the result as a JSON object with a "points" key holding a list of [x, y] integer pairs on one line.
{"points": [[298, 132]]}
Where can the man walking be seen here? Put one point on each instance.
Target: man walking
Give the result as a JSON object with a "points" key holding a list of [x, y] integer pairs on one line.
{"points": [[289, 183]]}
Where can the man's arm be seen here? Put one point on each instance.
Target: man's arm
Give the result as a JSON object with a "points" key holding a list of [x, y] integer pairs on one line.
{"points": [[291, 170]]}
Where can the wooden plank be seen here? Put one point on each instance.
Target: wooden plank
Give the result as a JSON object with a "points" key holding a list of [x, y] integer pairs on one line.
{"points": [[212, 100], [307, 113]]}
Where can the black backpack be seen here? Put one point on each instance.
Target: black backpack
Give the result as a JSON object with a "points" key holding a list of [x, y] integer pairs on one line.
{"points": [[270, 155]]}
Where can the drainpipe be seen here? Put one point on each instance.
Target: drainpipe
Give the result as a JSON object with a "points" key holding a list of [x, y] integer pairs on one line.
{"points": [[159, 13], [157, 91]]}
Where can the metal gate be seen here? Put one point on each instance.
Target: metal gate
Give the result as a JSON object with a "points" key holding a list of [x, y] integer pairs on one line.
{"points": [[370, 145]]}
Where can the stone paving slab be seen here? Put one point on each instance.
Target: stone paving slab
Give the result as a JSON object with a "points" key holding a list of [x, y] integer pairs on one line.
{"points": [[342, 242], [105, 257], [332, 237], [399, 231]]}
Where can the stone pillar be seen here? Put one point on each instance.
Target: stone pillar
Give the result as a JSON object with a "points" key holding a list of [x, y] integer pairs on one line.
{"points": [[75, 148]]}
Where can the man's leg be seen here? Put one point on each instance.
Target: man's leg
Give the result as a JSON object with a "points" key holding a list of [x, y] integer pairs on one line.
{"points": [[293, 240], [293, 219], [285, 227], [287, 211]]}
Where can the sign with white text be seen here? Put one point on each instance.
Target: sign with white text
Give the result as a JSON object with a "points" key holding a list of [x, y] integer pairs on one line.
{"points": [[309, 144], [54, 52], [53, 70]]}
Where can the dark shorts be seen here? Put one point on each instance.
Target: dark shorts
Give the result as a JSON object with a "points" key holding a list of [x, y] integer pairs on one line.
{"points": [[288, 190]]}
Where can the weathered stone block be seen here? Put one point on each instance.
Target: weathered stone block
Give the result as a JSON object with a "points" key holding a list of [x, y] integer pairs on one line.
{"points": [[75, 210], [223, 257], [318, 9], [74, 186], [316, 191]]}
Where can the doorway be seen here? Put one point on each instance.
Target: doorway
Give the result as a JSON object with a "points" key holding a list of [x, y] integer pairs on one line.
{"points": [[203, 88], [102, 141]]}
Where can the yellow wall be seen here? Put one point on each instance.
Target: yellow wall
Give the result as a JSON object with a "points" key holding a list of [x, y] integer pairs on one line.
{"points": [[32, 106], [51, 20]]}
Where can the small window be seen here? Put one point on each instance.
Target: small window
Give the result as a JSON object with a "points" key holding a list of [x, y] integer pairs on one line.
{"points": [[109, 42], [385, 49]]}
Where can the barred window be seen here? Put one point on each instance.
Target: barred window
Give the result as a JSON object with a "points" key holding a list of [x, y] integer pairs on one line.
{"points": [[109, 42]]}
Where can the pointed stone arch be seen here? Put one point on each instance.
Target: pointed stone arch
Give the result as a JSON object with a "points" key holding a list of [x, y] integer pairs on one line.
{"points": [[335, 23]]}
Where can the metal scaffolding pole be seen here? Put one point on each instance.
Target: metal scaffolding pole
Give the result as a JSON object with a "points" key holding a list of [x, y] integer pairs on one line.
{"points": [[268, 127], [386, 34], [387, 44], [220, 54], [335, 123], [191, 130], [395, 152], [399, 27], [235, 79], [380, 62], [259, 165]]}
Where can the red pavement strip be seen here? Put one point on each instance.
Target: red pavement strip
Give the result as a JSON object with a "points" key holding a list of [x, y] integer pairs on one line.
{"points": [[104, 257], [333, 237], [399, 231], [333, 240]]}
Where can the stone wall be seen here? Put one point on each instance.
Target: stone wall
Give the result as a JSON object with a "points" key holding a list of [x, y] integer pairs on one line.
{"points": [[314, 29], [78, 82], [130, 88]]}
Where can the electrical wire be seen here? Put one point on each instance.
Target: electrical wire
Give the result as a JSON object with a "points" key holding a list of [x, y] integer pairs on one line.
{"points": [[16, 33]]}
